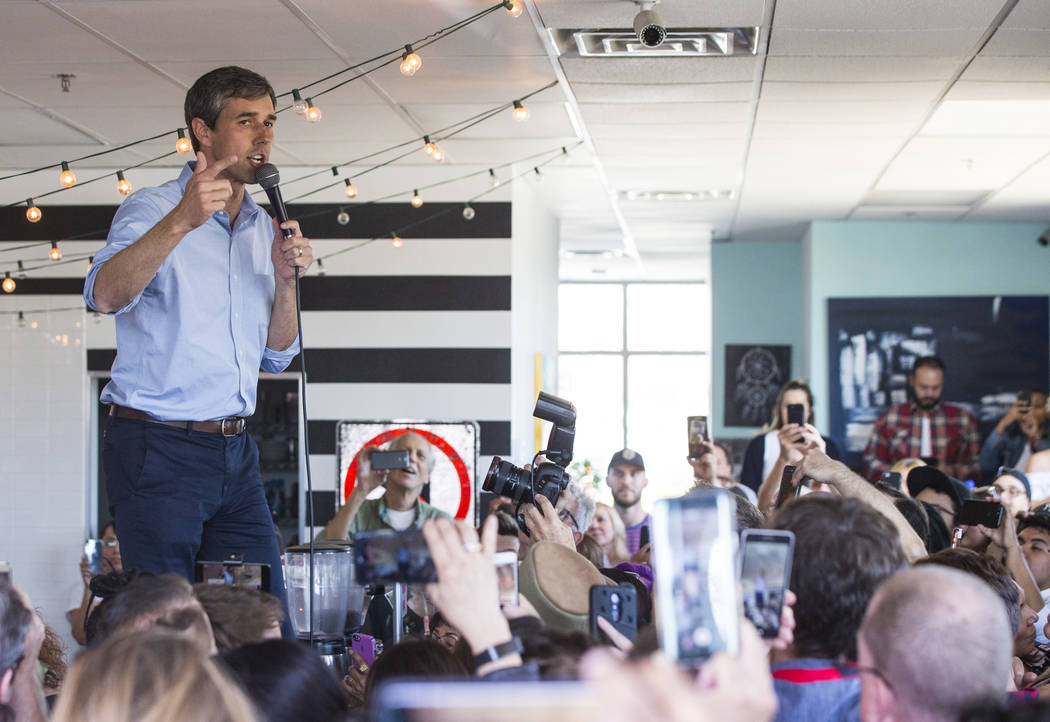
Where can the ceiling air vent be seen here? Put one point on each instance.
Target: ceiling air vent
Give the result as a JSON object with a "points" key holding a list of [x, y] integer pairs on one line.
{"points": [[714, 194], [681, 42]]}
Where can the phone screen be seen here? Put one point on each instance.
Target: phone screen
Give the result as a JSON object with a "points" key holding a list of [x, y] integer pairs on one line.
{"points": [[252, 576], [507, 574], [695, 541], [697, 429], [796, 414], [389, 460], [765, 574], [382, 557], [93, 555], [986, 513]]}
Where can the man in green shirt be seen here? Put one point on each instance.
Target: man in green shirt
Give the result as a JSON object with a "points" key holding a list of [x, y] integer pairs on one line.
{"points": [[400, 507]]}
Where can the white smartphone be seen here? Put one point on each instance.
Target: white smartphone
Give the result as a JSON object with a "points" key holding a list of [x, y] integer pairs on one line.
{"points": [[507, 573], [694, 548]]}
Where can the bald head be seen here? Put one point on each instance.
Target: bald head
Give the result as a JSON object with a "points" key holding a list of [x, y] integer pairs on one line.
{"points": [[940, 640]]}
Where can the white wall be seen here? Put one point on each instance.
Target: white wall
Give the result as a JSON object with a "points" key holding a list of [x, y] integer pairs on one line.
{"points": [[534, 311], [44, 451]]}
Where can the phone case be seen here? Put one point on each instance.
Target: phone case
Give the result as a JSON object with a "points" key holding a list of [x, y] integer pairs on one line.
{"points": [[619, 605], [364, 645]]}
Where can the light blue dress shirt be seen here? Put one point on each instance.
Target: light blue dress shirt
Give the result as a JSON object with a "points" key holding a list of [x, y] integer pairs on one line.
{"points": [[190, 346]]}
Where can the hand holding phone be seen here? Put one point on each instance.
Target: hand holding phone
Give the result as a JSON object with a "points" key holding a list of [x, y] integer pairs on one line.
{"points": [[386, 460], [93, 556], [697, 434], [986, 513], [796, 414], [618, 606], [787, 489]]}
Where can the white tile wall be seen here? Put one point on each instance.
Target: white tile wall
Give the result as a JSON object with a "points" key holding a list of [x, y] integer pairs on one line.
{"points": [[43, 450]]}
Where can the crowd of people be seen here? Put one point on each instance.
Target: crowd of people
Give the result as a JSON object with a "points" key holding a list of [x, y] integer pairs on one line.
{"points": [[895, 610]]}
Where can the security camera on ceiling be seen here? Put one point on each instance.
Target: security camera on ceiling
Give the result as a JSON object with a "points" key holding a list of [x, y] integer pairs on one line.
{"points": [[648, 26]]}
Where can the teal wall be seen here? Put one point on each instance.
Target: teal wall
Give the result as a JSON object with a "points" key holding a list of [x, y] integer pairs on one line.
{"points": [[756, 298], [843, 259]]}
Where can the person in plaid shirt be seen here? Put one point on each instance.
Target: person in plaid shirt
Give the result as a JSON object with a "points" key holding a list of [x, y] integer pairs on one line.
{"points": [[925, 427]]}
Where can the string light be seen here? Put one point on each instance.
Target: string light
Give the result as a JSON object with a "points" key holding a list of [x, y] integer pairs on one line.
{"points": [[492, 178], [298, 104], [68, 178], [320, 267], [33, 214], [351, 189], [55, 254], [91, 262], [521, 113], [9, 283], [417, 200], [123, 185], [514, 7], [468, 212], [21, 320], [21, 274], [439, 155], [342, 219], [396, 242], [428, 146], [410, 62], [183, 144], [313, 113], [537, 171]]}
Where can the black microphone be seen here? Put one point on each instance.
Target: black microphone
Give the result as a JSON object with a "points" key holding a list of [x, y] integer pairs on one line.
{"points": [[267, 176]]}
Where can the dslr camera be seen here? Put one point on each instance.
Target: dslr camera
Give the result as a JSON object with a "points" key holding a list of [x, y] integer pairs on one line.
{"points": [[548, 479]]}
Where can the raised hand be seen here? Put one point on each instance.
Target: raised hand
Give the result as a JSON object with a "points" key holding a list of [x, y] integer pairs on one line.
{"points": [[290, 254], [205, 192]]}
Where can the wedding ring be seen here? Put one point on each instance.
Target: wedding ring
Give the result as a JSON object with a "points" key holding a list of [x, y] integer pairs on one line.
{"points": [[300, 251]]}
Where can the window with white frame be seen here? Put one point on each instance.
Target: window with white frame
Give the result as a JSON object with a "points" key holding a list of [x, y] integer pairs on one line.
{"points": [[635, 360]]}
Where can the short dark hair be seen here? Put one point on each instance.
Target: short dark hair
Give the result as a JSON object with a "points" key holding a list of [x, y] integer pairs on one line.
{"points": [[930, 362], [206, 98], [287, 680], [165, 599], [238, 615], [843, 550], [1037, 519], [987, 570], [419, 658]]}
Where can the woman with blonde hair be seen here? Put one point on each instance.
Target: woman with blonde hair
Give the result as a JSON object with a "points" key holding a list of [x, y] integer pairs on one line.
{"points": [[607, 529], [150, 676]]}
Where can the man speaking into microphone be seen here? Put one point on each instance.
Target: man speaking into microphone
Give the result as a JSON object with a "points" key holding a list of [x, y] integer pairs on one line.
{"points": [[202, 283]]}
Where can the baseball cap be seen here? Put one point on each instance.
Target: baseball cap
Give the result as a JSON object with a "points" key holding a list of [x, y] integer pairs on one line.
{"points": [[558, 582], [1017, 474], [627, 456], [929, 477]]}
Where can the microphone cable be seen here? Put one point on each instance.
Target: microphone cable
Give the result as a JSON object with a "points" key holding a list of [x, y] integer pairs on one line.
{"points": [[306, 449]]}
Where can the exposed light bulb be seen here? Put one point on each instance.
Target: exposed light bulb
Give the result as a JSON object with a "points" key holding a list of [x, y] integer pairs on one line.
{"points": [[320, 267], [21, 274], [439, 155], [21, 320], [351, 189], [183, 144], [492, 178], [536, 170], [428, 146], [417, 200], [514, 7], [55, 254], [343, 218], [410, 62], [9, 283], [91, 262], [313, 113], [33, 214], [397, 241], [468, 212], [68, 178], [521, 113], [123, 184], [298, 104]]}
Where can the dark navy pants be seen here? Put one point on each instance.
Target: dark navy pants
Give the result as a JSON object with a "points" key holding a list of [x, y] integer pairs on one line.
{"points": [[178, 496]]}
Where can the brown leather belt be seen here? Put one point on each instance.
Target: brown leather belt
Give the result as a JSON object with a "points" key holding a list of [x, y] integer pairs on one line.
{"points": [[230, 426]]}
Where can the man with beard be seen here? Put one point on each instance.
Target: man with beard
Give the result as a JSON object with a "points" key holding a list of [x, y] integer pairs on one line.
{"points": [[626, 478], [925, 427]]}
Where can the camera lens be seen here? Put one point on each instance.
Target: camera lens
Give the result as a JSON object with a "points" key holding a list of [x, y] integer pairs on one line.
{"points": [[505, 479]]}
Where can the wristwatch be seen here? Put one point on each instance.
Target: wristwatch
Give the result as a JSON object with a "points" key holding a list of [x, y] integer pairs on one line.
{"points": [[498, 651]]}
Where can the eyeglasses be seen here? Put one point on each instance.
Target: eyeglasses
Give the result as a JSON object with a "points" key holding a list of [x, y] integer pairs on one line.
{"points": [[449, 636], [872, 670], [1008, 491], [566, 516]]}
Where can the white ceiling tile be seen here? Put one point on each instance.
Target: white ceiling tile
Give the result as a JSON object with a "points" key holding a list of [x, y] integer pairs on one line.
{"points": [[1015, 69], [908, 213], [1029, 14], [998, 90], [961, 163], [854, 69], [873, 43], [1019, 42], [661, 92], [656, 70], [805, 132], [546, 120], [885, 14], [684, 132], [33, 31], [1025, 198], [664, 113], [851, 91], [897, 111]]}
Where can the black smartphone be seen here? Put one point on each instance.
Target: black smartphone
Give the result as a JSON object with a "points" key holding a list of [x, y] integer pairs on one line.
{"points": [[787, 491], [235, 573], [891, 478], [389, 460], [765, 575], [796, 414], [698, 434], [986, 513], [1025, 399], [694, 570], [386, 557], [643, 537], [93, 555], [619, 606]]}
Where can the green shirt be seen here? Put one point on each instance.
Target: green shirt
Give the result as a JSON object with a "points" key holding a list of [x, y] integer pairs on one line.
{"points": [[372, 516]]}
